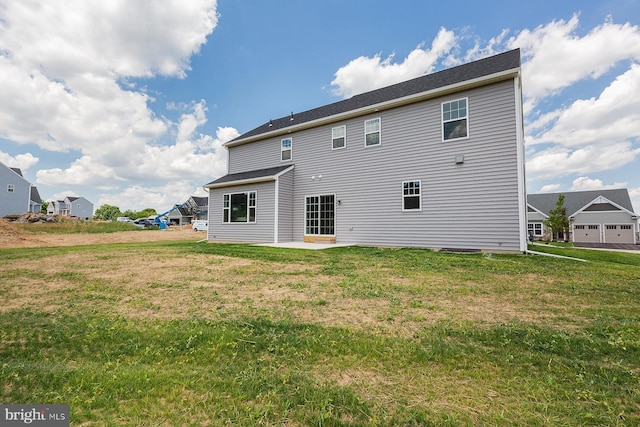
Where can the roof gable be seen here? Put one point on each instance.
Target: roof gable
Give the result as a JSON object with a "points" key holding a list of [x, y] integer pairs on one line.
{"points": [[507, 61]]}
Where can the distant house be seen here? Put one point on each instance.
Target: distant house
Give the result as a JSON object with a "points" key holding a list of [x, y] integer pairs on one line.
{"points": [[599, 216], [71, 206], [17, 195], [195, 208], [436, 162]]}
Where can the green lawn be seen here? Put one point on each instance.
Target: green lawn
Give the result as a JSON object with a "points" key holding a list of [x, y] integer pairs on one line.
{"points": [[183, 333]]}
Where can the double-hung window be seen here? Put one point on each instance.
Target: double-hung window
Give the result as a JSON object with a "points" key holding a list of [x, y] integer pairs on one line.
{"points": [[286, 146], [372, 132], [455, 119], [411, 196], [10, 188], [338, 137], [535, 228], [239, 207]]}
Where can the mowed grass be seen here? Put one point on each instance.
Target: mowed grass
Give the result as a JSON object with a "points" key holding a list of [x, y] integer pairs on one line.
{"points": [[186, 333]]}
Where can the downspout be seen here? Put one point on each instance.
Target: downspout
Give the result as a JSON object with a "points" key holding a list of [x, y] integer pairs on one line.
{"points": [[520, 156], [275, 217]]}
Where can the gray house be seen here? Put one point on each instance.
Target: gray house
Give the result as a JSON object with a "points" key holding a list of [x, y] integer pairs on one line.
{"points": [[599, 216], [436, 162], [71, 206], [17, 195]]}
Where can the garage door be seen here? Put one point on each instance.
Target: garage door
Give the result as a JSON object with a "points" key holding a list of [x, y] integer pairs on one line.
{"points": [[618, 233], [586, 233]]}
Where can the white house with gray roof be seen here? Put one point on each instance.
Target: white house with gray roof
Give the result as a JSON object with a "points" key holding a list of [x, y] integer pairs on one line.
{"points": [[17, 195], [435, 162], [598, 216]]}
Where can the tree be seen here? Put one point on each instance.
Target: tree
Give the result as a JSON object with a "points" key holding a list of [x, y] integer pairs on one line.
{"points": [[145, 213], [107, 213], [558, 221], [43, 209]]}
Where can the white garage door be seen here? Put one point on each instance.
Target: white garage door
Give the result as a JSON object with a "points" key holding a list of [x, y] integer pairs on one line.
{"points": [[618, 233], [586, 233]]}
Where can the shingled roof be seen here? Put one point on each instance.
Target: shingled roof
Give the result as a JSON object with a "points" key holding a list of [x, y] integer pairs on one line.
{"points": [[576, 200], [249, 176], [507, 61]]}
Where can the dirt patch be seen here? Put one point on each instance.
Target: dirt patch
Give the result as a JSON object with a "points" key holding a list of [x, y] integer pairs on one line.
{"points": [[15, 237]]}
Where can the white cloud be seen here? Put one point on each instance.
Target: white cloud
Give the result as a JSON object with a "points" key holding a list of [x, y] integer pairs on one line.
{"points": [[64, 82], [116, 37], [550, 188], [364, 73], [555, 57], [558, 161], [613, 116], [22, 161], [584, 183]]}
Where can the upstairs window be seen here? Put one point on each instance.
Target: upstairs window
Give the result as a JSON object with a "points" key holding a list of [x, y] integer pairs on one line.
{"points": [[10, 188], [338, 137], [239, 207], [411, 196], [455, 123], [372, 132], [286, 146]]}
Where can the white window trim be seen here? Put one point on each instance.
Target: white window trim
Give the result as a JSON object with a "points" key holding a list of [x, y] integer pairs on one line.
{"points": [[533, 224], [333, 138], [443, 121], [290, 149], [379, 132], [248, 207], [11, 188], [412, 195]]}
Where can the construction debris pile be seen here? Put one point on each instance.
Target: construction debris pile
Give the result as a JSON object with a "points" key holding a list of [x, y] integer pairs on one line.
{"points": [[30, 217]]}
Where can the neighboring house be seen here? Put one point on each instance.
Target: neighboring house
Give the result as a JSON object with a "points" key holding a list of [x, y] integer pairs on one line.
{"points": [[437, 162], [71, 206], [17, 195], [195, 208], [599, 216]]}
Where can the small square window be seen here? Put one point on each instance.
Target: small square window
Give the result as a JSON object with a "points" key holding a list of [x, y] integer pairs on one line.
{"points": [[372, 132], [338, 137], [286, 147], [10, 188]]}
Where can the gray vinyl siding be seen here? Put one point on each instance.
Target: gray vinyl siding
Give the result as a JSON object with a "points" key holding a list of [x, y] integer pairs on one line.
{"points": [[260, 231], [472, 205], [535, 216], [16, 202], [81, 208], [285, 207]]}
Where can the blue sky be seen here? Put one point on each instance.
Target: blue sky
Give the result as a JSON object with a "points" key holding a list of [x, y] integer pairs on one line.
{"points": [[128, 103]]}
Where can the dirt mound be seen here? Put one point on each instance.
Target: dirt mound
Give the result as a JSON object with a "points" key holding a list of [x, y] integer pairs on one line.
{"points": [[15, 237], [12, 236]]}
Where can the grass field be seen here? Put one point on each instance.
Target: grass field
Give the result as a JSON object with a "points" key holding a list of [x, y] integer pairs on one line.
{"points": [[184, 333]]}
